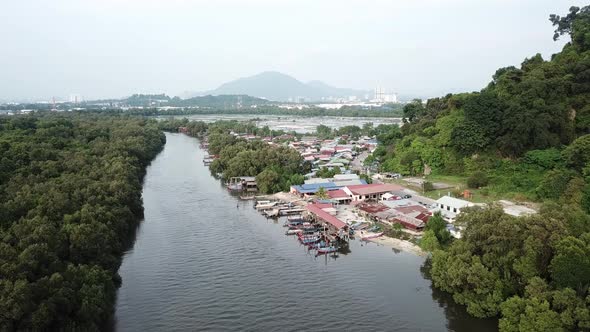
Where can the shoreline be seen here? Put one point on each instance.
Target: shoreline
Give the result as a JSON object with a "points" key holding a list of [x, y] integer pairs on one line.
{"points": [[398, 244], [384, 240]]}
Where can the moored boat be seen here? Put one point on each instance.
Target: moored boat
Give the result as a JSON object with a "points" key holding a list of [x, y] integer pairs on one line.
{"points": [[326, 250], [309, 240], [295, 218], [265, 205], [293, 231]]}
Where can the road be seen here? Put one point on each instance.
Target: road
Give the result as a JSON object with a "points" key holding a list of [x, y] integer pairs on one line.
{"points": [[357, 163]]}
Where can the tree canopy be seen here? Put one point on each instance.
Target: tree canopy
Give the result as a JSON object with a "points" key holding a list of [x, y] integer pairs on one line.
{"points": [[70, 199], [527, 131]]}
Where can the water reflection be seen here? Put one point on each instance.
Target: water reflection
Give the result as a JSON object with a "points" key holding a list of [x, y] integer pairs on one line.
{"points": [[204, 260], [457, 318]]}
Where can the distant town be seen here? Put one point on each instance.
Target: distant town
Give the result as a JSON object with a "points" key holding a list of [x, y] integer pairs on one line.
{"points": [[379, 100]]}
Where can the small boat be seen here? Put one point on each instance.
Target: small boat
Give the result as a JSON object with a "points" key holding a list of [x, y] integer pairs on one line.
{"points": [[326, 250], [234, 187], [247, 197], [372, 236], [293, 231], [295, 218], [265, 206], [304, 235], [271, 213], [309, 241], [294, 221]]}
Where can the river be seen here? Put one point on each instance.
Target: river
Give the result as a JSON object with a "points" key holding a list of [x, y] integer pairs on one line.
{"points": [[205, 261]]}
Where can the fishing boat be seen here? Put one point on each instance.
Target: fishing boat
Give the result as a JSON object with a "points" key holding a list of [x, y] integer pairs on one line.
{"points": [[372, 236], [326, 250], [295, 218], [293, 231], [264, 205], [271, 213], [294, 222], [307, 241], [302, 236]]}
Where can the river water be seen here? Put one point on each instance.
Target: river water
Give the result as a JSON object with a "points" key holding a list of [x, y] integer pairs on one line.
{"points": [[205, 261]]}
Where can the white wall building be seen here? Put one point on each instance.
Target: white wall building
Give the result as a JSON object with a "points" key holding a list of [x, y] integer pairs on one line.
{"points": [[450, 207]]}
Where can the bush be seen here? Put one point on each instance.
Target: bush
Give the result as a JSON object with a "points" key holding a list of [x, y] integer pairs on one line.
{"points": [[477, 180], [554, 183]]}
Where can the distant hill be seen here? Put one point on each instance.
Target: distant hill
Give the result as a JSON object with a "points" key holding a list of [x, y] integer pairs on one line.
{"points": [[151, 100], [220, 101], [276, 86]]}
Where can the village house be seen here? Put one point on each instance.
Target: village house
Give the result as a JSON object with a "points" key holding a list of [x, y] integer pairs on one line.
{"points": [[373, 191], [309, 189], [320, 212], [450, 207]]}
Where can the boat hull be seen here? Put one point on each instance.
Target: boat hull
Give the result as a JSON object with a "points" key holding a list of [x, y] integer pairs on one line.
{"points": [[326, 250]]}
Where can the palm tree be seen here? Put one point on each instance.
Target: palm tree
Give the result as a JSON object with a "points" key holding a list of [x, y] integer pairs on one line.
{"points": [[322, 193]]}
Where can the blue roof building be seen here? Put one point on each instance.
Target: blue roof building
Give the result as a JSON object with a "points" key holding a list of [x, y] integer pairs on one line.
{"points": [[312, 188]]}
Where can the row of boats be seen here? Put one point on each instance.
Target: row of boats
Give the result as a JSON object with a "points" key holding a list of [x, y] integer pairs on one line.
{"points": [[275, 209], [310, 235]]}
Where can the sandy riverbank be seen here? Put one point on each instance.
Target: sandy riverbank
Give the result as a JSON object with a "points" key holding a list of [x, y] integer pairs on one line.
{"points": [[396, 244]]}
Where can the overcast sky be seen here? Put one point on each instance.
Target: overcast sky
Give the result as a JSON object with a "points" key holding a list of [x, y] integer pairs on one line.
{"points": [[113, 48]]}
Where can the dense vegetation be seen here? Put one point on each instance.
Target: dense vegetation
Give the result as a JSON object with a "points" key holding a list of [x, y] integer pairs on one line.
{"points": [[516, 129], [393, 111], [70, 199], [276, 167], [527, 132], [534, 271], [147, 105]]}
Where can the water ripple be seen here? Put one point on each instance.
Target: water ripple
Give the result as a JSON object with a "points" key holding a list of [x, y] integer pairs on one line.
{"points": [[202, 264]]}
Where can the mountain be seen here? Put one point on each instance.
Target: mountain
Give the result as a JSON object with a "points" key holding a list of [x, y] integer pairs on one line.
{"points": [[277, 86]]}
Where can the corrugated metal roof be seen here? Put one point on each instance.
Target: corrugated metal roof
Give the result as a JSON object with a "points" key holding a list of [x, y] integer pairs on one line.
{"points": [[375, 188], [338, 194], [325, 216], [314, 187]]}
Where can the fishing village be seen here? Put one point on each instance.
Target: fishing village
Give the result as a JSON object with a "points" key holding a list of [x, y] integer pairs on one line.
{"points": [[344, 198]]}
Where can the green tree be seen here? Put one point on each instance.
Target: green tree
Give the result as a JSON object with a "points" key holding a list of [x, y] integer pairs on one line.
{"points": [[576, 23], [438, 226], [413, 111], [570, 267], [520, 315], [324, 131], [267, 180], [322, 193], [577, 154], [554, 183], [429, 241], [477, 180]]}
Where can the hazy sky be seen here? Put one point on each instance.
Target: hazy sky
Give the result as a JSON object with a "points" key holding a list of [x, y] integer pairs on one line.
{"points": [[113, 48]]}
